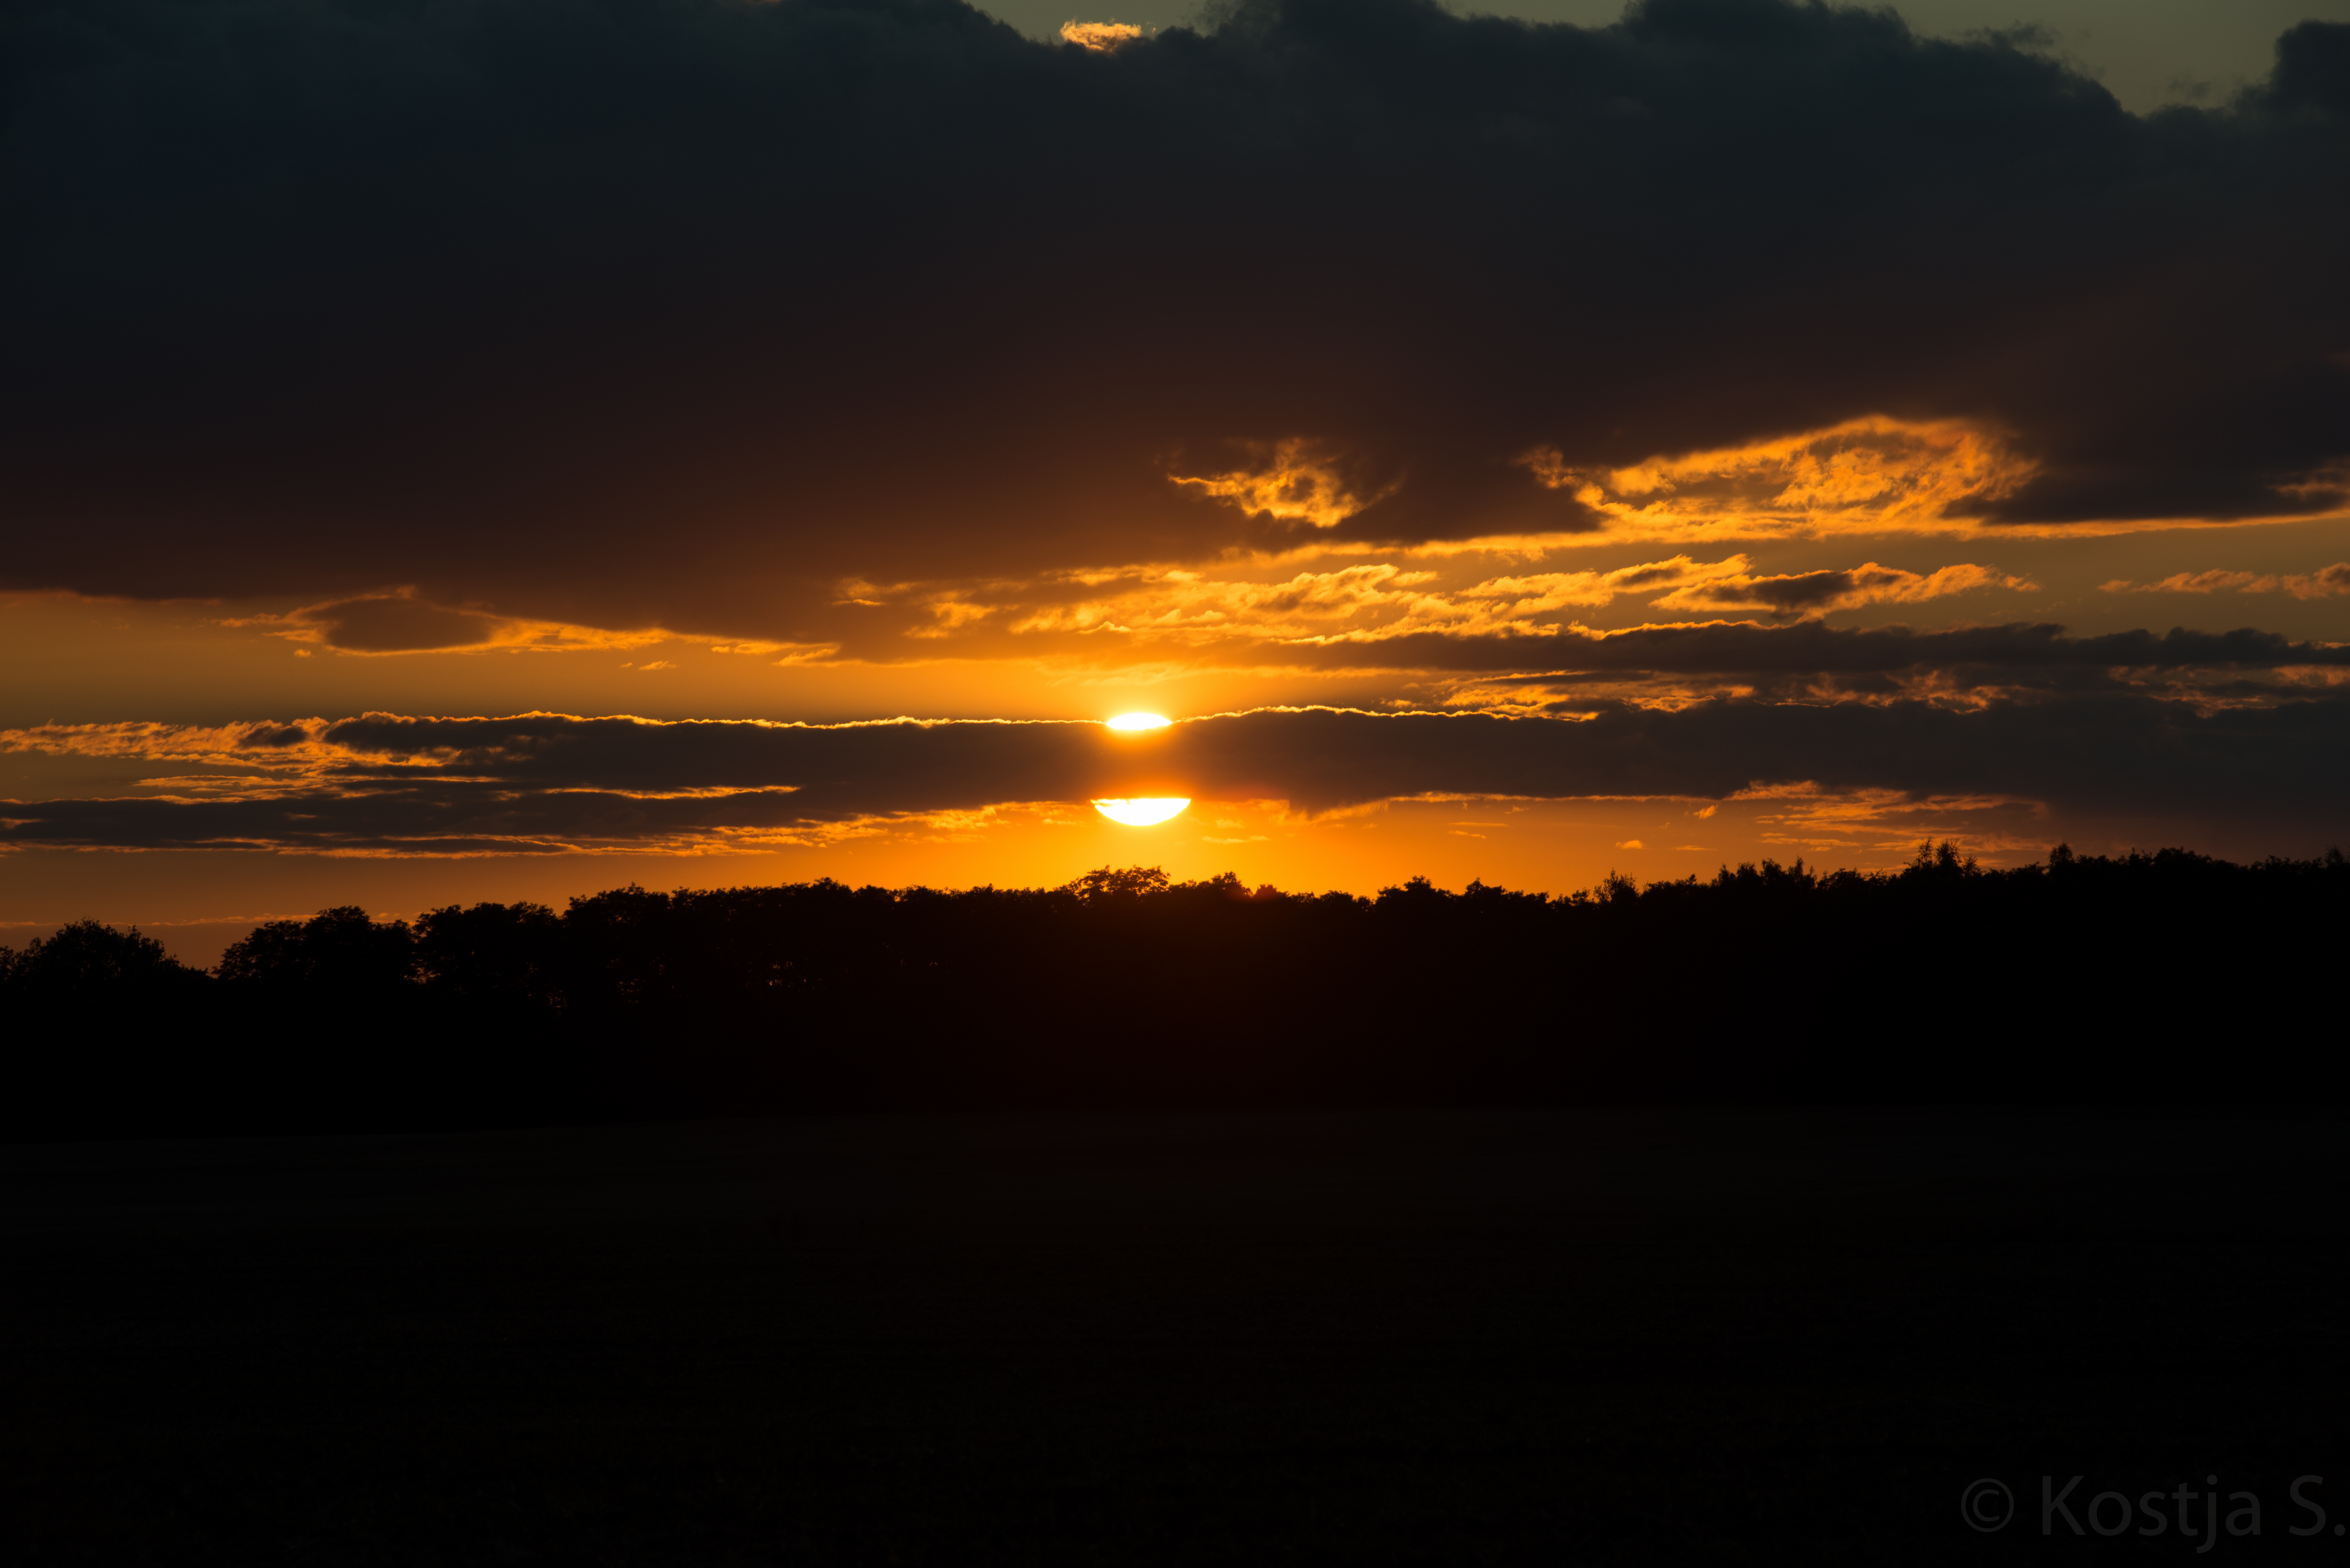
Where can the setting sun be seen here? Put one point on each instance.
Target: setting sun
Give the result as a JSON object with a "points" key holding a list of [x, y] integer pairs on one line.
{"points": [[1147, 811], [1140, 721]]}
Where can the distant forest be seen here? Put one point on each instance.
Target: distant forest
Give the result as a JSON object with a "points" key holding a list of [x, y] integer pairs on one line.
{"points": [[2170, 976]]}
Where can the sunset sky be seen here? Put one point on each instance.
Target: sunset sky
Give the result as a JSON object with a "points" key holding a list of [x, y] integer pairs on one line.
{"points": [[504, 449]]}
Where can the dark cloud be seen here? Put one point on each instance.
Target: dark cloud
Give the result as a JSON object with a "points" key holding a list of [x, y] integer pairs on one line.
{"points": [[836, 770], [378, 816], [543, 782], [1993, 653], [1802, 591], [680, 312], [394, 622]]}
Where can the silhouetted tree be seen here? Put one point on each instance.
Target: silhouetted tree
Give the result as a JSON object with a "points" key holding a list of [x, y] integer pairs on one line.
{"points": [[2088, 977], [492, 955], [87, 963], [1134, 882], [105, 1031], [341, 952]]}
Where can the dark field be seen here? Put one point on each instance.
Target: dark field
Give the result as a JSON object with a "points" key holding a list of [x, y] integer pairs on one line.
{"points": [[1573, 1336]]}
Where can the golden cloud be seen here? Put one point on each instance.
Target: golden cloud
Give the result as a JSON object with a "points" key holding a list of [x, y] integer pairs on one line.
{"points": [[263, 741], [1871, 475], [1291, 482], [400, 621], [1378, 601], [2321, 584], [1101, 37], [1805, 594]]}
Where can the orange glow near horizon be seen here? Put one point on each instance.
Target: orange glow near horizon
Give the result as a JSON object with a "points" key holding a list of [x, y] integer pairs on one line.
{"points": [[1140, 721], [198, 900], [1143, 810]]}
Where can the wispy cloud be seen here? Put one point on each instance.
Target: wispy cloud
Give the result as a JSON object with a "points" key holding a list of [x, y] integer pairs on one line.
{"points": [[1379, 601], [1873, 475], [1820, 593], [400, 621], [1101, 37], [2323, 583]]}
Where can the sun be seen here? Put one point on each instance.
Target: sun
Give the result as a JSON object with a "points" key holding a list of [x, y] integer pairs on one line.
{"points": [[1140, 721], [1147, 811]]}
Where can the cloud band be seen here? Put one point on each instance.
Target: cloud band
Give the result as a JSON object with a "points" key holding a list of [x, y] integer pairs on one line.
{"points": [[536, 783]]}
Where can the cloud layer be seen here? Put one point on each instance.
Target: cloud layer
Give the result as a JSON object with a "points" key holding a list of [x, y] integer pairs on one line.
{"points": [[386, 784], [697, 314], [2321, 584]]}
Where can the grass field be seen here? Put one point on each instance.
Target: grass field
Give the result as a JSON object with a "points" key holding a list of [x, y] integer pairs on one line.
{"points": [[1440, 1337]]}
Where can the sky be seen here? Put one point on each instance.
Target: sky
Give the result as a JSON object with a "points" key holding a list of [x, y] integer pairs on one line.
{"points": [[507, 449]]}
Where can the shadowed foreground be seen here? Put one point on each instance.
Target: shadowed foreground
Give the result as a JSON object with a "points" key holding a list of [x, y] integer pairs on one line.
{"points": [[1452, 1336]]}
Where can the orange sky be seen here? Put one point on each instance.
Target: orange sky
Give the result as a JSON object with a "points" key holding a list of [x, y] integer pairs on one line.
{"points": [[190, 663], [1801, 441]]}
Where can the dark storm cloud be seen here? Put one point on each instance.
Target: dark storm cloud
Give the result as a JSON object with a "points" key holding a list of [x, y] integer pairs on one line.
{"points": [[626, 312], [540, 782]]}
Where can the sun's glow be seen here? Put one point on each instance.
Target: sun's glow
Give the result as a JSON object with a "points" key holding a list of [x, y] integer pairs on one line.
{"points": [[1148, 811], [1140, 721]]}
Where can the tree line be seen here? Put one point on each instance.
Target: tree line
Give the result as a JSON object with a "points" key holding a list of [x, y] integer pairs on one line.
{"points": [[2166, 976]]}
